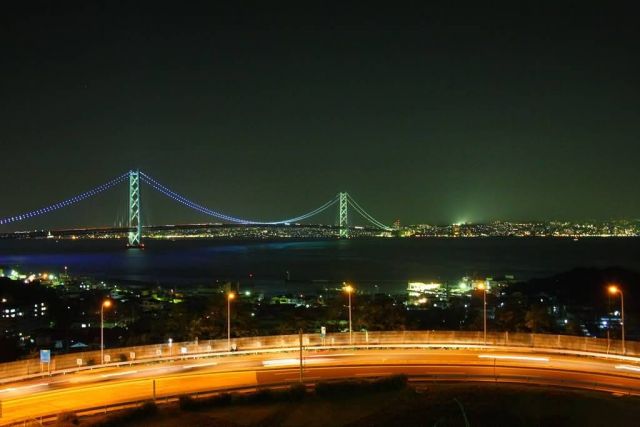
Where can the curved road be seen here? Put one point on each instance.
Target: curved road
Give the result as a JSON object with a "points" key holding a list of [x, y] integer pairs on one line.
{"points": [[109, 386]]}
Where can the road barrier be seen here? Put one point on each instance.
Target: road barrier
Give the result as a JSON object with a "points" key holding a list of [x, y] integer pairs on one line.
{"points": [[67, 362]]}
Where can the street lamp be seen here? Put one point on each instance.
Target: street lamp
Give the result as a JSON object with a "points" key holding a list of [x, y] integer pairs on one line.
{"points": [[230, 296], [105, 304], [349, 290], [483, 288], [613, 289]]}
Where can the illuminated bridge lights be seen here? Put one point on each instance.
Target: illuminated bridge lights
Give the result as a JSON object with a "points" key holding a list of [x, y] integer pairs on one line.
{"points": [[181, 199], [133, 176], [65, 203]]}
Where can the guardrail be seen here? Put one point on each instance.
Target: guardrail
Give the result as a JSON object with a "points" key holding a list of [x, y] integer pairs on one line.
{"points": [[125, 355]]}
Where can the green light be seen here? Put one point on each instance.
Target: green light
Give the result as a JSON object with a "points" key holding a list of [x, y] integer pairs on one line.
{"points": [[343, 216]]}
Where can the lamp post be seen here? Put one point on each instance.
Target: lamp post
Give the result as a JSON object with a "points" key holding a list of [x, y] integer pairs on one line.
{"points": [[230, 296], [483, 288], [613, 289], [349, 290], [105, 304]]}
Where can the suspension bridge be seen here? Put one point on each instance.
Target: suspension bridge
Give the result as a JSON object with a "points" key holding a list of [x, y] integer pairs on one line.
{"points": [[136, 178]]}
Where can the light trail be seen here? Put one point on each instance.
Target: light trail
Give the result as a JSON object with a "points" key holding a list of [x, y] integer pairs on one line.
{"points": [[287, 362], [333, 355], [118, 374], [199, 365], [628, 368], [510, 357], [463, 365], [10, 389]]}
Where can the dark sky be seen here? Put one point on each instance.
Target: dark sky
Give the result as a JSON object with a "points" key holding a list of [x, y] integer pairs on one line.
{"points": [[427, 114]]}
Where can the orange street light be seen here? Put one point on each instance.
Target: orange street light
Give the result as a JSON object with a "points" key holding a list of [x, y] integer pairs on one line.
{"points": [[105, 304], [349, 290], [483, 288], [230, 296], [614, 289]]}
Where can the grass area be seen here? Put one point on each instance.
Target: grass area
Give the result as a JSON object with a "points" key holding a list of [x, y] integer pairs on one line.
{"points": [[427, 405]]}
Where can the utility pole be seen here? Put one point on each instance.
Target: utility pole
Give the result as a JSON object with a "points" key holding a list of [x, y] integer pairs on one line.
{"points": [[230, 296]]}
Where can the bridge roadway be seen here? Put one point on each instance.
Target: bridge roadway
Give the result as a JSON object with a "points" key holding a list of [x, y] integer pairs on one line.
{"points": [[115, 385]]}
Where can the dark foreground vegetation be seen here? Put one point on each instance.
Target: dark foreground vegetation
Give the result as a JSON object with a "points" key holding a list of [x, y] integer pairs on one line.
{"points": [[384, 402]]}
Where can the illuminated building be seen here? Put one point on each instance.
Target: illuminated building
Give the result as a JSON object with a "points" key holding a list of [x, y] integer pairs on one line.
{"points": [[422, 294]]}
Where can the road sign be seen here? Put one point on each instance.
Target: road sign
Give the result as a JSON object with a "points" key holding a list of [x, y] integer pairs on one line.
{"points": [[323, 331], [45, 356]]}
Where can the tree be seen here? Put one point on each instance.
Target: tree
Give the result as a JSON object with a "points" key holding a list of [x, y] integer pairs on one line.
{"points": [[538, 319], [380, 313]]}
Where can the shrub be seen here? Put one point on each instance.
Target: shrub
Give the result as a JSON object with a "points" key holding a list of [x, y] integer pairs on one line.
{"points": [[146, 410], [394, 382], [297, 392], [344, 388], [122, 357], [188, 403], [262, 395], [67, 418]]}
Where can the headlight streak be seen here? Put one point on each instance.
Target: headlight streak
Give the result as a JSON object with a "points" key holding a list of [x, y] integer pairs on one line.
{"points": [[509, 357], [118, 374], [292, 361], [628, 368]]}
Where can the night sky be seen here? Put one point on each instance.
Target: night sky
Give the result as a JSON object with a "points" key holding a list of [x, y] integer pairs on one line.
{"points": [[430, 115]]}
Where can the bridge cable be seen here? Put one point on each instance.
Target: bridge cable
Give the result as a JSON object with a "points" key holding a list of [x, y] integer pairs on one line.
{"points": [[366, 216], [65, 203], [202, 209]]}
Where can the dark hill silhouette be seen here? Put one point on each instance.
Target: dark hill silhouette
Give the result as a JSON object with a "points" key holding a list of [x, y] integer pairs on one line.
{"points": [[586, 286]]}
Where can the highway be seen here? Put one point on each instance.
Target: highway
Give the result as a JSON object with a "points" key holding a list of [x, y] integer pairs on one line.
{"points": [[113, 385]]}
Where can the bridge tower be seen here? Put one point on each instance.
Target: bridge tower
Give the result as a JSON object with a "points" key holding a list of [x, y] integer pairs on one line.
{"points": [[135, 237], [343, 216]]}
